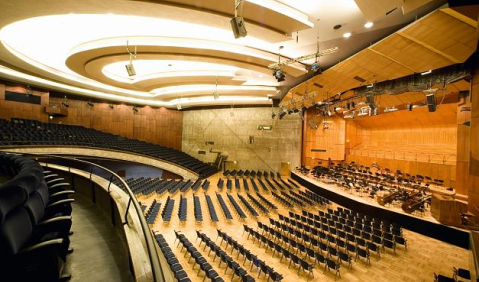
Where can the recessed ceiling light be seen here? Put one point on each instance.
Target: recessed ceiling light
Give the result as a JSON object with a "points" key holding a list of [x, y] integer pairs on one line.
{"points": [[368, 24], [260, 75], [347, 35]]}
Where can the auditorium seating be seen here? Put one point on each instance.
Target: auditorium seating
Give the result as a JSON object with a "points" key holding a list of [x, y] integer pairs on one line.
{"points": [[238, 209], [175, 266], [35, 222], [211, 209], [199, 259], [182, 211], [21, 132], [225, 209], [197, 209], [234, 266], [168, 209], [152, 212]]}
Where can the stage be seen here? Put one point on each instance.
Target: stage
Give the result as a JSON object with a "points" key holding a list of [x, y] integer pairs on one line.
{"points": [[427, 225]]}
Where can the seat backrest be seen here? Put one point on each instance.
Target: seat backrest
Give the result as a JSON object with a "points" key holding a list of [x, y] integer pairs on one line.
{"points": [[35, 208], [11, 197], [15, 232]]}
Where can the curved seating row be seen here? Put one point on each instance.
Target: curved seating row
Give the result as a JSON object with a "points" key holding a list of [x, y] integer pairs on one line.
{"points": [[33, 132], [35, 222]]}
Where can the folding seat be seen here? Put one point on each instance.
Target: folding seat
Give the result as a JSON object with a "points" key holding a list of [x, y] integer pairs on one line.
{"points": [[25, 258], [390, 245], [306, 267], [401, 241], [335, 266], [364, 254], [345, 257]]}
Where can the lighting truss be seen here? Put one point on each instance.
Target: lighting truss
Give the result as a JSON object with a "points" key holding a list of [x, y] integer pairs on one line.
{"points": [[324, 52]]}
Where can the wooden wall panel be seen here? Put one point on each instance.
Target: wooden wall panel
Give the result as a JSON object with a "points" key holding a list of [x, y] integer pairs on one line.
{"points": [[332, 140], [159, 126], [416, 142], [9, 109], [473, 177]]}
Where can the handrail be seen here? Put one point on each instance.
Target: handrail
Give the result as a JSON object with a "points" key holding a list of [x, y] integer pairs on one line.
{"points": [[157, 271]]}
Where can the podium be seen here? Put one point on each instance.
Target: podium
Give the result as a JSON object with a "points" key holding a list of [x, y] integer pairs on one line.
{"points": [[447, 210]]}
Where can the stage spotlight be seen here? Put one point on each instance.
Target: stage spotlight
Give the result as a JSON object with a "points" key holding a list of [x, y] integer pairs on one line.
{"points": [[111, 106], [290, 112], [90, 104], [295, 110], [130, 69], [282, 114], [315, 67], [279, 75], [178, 106], [65, 102], [237, 23], [135, 109], [303, 108]]}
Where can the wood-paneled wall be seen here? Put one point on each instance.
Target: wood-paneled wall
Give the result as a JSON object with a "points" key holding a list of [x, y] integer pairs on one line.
{"points": [[159, 126], [332, 140], [9, 109], [416, 142], [473, 177]]}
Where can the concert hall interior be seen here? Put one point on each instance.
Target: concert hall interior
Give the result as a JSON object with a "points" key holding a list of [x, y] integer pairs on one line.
{"points": [[239, 140]]}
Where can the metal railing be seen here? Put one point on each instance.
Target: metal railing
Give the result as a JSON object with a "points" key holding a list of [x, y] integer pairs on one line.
{"points": [[157, 271]]}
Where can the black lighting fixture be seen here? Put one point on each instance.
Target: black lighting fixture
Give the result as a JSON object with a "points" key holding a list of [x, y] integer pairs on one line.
{"points": [[304, 108], [65, 102], [111, 106], [279, 75], [315, 67], [282, 113], [29, 91], [130, 69], [290, 111], [90, 104], [237, 23], [135, 109]]}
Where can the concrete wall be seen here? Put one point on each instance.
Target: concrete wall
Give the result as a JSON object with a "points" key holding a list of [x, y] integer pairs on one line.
{"points": [[231, 136]]}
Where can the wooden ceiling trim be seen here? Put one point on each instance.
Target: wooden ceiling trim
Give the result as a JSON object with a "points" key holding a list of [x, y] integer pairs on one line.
{"points": [[393, 60], [411, 54], [459, 16], [447, 56]]}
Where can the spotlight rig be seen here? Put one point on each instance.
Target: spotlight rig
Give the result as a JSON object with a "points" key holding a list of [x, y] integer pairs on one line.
{"points": [[279, 75]]}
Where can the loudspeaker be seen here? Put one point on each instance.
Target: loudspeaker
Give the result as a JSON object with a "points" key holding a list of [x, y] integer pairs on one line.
{"points": [[239, 29], [431, 102]]}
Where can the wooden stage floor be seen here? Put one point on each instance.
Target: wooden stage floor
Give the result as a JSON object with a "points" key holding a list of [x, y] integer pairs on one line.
{"points": [[423, 257]]}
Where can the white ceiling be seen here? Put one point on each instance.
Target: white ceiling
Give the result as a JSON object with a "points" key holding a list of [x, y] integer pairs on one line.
{"points": [[185, 46]]}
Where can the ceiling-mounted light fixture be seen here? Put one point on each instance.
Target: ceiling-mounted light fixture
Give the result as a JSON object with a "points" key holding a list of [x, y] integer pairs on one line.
{"points": [[282, 113], [237, 23], [135, 109], [90, 104], [426, 72], [278, 73], [29, 91], [347, 35], [111, 106], [130, 69], [368, 24], [65, 102]]}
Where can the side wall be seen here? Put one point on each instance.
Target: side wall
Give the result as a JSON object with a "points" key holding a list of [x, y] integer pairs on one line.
{"points": [[159, 126], [232, 133]]}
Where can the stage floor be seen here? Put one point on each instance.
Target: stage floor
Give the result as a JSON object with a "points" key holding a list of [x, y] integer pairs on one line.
{"points": [[364, 199]]}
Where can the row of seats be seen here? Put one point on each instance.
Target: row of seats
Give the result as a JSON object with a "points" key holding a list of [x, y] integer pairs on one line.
{"points": [[315, 197], [261, 207], [197, 209], [283, 200], [182, 211], [251, 173], [33, 132], [267, 202], [168, 209], [223, 206], [237, 269], [303, 264], [237, 208], [211, 209], [248, 206], [175, 266], [198, 257], [152, 212], [296, 201], [255, 261], [35, 222], [457, 272]]}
